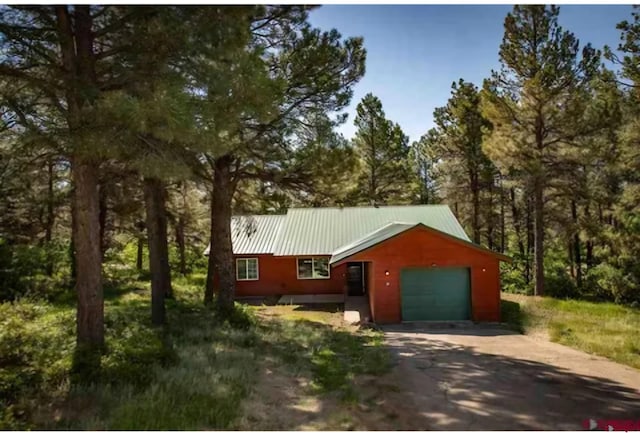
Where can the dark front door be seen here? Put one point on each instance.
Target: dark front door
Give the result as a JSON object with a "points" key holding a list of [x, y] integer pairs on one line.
{"points": [[355, 280]]}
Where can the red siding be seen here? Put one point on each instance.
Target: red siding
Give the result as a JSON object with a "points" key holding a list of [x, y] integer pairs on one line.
{"points": [[278, 276], [421, 247], [371, 289]]}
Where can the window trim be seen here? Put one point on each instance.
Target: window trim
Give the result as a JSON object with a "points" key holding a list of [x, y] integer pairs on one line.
{"points": [[328, 277], [247, 268]]}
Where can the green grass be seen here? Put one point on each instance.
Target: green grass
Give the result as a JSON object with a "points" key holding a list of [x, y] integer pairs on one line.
{"points": [[317, 341], [604, 329], [192, 375]]}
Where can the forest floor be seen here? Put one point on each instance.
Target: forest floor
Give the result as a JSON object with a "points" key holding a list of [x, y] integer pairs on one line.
{"points": [[604, 329], [281, 367], [284, 367]]}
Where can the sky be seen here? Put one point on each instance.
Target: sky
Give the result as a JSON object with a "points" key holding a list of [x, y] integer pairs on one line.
{"points": [[415, 52]]}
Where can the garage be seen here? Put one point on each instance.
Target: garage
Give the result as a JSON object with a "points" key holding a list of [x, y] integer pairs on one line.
{"points": [[418, 273], [435, 294]]}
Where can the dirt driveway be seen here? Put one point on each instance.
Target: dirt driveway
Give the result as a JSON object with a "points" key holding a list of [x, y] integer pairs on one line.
{"points": [[491, 379]]}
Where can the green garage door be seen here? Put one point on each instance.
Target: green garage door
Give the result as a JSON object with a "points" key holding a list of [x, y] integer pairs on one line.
{"points": [[435, 294]]}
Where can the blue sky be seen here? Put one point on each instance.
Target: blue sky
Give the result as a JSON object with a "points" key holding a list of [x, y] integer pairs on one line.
{"points": [[415, 52]]}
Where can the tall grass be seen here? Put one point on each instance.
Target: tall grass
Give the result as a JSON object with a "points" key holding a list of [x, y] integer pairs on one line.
{"points": [[604, 329], [192, 374]]}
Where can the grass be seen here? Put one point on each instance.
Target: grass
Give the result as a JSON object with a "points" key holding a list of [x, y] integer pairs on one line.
{"points": [[604, 329], [192, 375], [317, 340]]}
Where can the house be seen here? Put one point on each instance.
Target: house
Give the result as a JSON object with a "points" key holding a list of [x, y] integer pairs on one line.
{"points": [[412, 262]]}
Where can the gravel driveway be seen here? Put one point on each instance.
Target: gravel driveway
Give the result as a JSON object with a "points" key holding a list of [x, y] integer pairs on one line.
{"points": [[479, 378]]}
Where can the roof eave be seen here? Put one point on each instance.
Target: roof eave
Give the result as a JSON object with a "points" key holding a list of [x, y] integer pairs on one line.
{"points": [[480, 248]]}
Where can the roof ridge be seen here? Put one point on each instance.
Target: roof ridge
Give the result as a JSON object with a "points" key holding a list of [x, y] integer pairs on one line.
{"points": [[260, 215], [370, 206], [371, 233]]}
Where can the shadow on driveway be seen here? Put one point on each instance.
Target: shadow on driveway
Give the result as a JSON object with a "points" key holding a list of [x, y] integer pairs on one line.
{"points": [[489, 378]]}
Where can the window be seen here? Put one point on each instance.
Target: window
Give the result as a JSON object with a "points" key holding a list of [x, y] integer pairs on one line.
{"points": [[313, 268], [246, 269]]}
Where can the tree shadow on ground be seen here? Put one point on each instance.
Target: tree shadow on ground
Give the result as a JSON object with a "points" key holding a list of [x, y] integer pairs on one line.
{"points": [[312, 376], [439, 385], [478, 330], [512, 315], [451, 386]]}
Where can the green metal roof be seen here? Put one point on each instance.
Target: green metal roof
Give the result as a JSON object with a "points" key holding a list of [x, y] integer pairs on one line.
{"points": [[338, 232], [382, 234], [322, 231], [254, 234]]}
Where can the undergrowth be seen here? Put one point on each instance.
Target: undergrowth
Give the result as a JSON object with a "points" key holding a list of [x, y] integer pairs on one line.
{"points": [[192, 374]]}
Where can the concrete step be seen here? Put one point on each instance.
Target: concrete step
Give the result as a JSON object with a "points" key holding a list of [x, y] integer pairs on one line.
{"points": [[356, 309]]}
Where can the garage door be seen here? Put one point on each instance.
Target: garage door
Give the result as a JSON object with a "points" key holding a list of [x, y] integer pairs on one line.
{"points": [[435, 294]]}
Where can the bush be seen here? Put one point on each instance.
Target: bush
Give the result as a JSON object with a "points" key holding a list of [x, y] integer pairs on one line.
{"points": [[512, 279], [610, 283], [36, 345], [512, 315], [24, 270], [241, 317], [559, 284], [195, 259]]}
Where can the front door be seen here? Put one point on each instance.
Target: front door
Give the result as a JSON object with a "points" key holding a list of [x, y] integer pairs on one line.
{"points": [[355, 280]]}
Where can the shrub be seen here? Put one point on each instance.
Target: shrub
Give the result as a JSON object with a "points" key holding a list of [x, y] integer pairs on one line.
{"points": [[512, 279], [559, 284], [195, 259], [24, 270], [36, 345], [612, 283]]}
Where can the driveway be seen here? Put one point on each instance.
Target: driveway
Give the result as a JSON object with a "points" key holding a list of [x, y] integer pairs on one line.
{"points": [[479, 378]]}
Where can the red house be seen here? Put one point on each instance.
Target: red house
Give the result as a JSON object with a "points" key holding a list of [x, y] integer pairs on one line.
{"points": [[412, 262]]}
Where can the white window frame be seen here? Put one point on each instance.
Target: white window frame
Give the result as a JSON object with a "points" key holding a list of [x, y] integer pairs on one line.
{"points": [[246, 259], [313, 259]]}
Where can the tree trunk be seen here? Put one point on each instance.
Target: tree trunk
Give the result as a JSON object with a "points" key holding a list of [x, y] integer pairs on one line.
{"points": [[90, 315], [50, 219], [103, 219], [154, 197], [576, 245], [529, 234], [140, 229], [73, 267], [572, 268], [211, 262], [589, 257], [475, 203], [180, 229], [373, 178], [538, 239], [490, 219], [221, 253], [181, 244], [515, 216], [139, 253], [589, 242], [76, 48]]}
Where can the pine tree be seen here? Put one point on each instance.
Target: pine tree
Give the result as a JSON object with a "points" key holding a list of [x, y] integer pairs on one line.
{"points": [[424, 155], [383, 152], [533, 103], [292, 73], [460, 127]]}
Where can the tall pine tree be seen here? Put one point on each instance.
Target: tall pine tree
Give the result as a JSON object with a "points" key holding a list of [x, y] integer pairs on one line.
{"points": [[383, 151], [534, 103]]}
